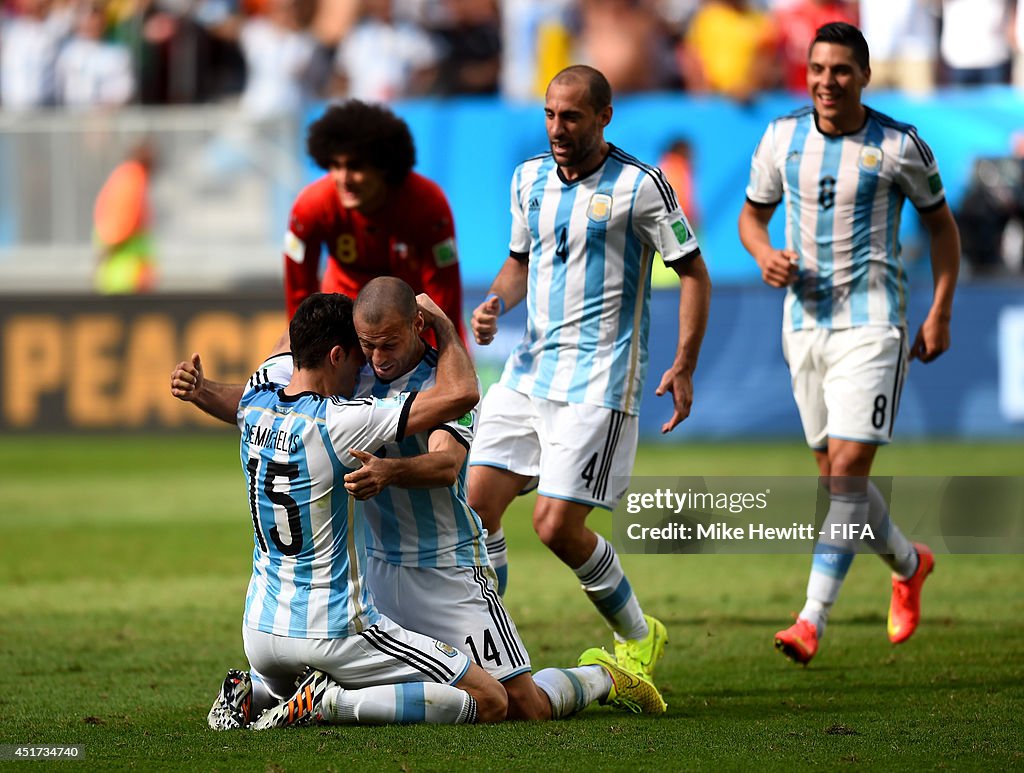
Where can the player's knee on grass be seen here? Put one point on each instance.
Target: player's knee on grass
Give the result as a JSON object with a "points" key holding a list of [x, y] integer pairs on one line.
{"points": [[490, 696], [526, 701]]}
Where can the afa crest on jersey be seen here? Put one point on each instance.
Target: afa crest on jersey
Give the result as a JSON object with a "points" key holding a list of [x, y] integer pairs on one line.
{"points": [[600, 209], [870, 159], [445, 649]]}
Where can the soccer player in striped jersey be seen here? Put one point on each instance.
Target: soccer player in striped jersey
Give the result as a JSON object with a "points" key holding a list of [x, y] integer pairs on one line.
{"points": [[426, 545], [307, 603], [845, 171], [587, 218], [427, 568]]}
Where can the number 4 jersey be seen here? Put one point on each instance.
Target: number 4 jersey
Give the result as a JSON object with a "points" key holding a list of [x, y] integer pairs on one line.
{"points": [[844, 195], [308, 563], [590, 243]]}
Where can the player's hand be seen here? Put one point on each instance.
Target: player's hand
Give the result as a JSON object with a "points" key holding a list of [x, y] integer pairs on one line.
{"points": [[485, 320], [370, 479], [187, 379], [431, 312], [680, 383], [778, 267], [932, 339]]}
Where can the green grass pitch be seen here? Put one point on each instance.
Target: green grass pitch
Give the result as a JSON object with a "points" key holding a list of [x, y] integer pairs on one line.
{"points": [[125, 562]]}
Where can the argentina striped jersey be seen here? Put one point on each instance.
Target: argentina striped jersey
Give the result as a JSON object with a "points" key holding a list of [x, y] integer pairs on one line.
{"points": [[590, 243], [844, 196], [309, 556], [422, 527]]}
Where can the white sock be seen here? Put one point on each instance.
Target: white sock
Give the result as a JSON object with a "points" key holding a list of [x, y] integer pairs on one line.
{"points": [[404, 703], [570, 690], [605, 583], [497, 552], [833, 555], [890, 544], [816, 613]]}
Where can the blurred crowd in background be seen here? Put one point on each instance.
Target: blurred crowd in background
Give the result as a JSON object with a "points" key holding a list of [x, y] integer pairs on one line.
{"points": [[275, 55], [240, 76]]}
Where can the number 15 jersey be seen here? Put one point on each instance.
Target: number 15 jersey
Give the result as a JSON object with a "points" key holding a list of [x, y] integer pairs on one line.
{"points": [[308, 567]]}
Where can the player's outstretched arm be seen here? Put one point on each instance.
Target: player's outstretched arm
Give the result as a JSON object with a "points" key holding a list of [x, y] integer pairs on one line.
{"points": [[694, 302], [189, 384], [438, 468], [508, 289], [933, 338], [778, 267], [455, 389]]}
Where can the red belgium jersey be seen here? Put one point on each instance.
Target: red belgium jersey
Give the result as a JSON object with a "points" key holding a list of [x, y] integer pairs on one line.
{"points": [[412, 237]]}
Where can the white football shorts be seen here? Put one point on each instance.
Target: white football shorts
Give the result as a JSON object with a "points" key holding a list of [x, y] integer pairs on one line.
{"points": [[582, 453], [847, 382], [457, 604], [385, 653]]}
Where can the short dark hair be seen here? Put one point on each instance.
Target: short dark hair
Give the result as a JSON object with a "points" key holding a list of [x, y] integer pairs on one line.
{"points": [[384, 295], [322, 321], [370, 133], [843, 34], [599, 90]]}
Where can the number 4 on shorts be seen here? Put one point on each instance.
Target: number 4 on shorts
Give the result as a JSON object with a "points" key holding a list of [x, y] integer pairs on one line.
{"points": [[588, 470]]}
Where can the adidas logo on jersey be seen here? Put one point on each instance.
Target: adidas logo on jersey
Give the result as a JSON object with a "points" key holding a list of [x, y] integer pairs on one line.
{"points": [[534, 205]]}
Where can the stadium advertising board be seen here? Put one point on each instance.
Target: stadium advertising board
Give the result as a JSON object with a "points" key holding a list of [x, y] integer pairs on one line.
{"points": [[91, 363], [102, 364]]}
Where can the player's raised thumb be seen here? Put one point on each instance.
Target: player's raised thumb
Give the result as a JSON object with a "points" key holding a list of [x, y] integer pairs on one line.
{"points": [[196, 362], [360, 455]]}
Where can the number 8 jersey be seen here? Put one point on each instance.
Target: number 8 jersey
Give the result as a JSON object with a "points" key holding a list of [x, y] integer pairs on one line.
{"points": [[844, 195], [308, 562]]}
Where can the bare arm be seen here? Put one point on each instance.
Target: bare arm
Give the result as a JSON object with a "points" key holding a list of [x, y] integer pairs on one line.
{"points": [[778, 267], [510, 287], [189, 385], [438, 468], [933, 338], [455, 389], [694, 302]]}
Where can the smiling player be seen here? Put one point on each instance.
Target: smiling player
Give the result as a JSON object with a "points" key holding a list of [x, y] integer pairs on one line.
{"points": [[845, 170], [587, 219]]}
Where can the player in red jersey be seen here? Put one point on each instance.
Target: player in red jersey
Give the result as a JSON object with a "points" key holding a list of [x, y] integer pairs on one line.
{"points": [[375, 216]]}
